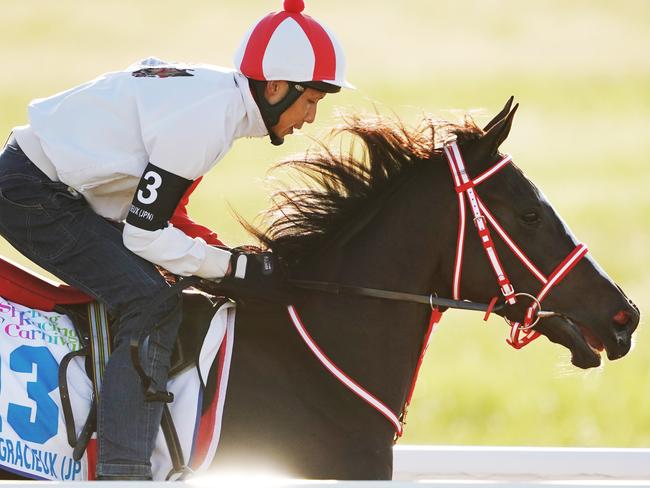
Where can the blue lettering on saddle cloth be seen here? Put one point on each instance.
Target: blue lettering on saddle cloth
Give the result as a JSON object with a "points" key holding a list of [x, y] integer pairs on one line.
{"points": [[21, 456], [33, 437]]}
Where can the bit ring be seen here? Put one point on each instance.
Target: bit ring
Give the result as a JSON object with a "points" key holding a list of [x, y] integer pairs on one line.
{"points": [[537, 317]]}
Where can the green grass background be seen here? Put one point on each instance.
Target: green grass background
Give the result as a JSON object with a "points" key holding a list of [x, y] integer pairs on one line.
{"points": [[581, 71]]}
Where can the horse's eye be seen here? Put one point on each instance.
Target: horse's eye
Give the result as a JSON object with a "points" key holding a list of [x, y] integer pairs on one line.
{"points": [[531, 217]]}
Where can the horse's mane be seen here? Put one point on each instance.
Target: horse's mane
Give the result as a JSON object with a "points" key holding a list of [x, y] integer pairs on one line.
{"points": [[344, 189]]}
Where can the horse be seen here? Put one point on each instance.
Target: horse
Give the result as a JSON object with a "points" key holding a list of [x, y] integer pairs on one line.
{"points": [[385, 227], [389, 220]]}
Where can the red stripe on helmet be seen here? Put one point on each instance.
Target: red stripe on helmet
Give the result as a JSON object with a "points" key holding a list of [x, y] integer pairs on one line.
{"points": [[324, 54], [252, 61]]}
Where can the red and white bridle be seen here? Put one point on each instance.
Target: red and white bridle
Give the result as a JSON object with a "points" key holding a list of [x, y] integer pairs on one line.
{"points": [[521, 333]]}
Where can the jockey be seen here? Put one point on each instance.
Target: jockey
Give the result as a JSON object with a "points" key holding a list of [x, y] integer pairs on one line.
{"points": [[129, 147]]}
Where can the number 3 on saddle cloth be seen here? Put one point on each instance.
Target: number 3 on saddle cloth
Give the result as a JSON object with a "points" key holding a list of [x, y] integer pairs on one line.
{"points": [[54, 344]]}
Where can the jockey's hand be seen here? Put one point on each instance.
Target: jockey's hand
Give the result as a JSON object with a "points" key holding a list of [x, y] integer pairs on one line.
{"points": [[255, 274]]}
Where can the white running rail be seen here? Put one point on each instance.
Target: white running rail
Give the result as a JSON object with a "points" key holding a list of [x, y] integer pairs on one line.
{"points": [[520, 463]]}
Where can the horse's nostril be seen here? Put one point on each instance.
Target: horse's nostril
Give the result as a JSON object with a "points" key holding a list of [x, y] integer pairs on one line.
{"points": [[622, 318]]}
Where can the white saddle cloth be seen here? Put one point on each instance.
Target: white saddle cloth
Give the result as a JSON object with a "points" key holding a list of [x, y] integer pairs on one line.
{"points": [[33, 439]]}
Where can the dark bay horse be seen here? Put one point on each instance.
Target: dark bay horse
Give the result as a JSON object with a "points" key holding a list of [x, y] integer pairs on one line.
{"points": [[389, 220]]}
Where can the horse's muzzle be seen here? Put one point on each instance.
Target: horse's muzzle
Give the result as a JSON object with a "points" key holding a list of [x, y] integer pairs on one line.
{"points": [[625, 323]]}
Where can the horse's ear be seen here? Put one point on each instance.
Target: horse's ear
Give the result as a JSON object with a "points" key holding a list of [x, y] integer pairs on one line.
{"points": [[500, 115], [498, 133]]}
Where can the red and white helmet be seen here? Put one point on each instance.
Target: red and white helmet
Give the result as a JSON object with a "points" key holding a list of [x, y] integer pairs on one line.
{"points": [[289, 45]]}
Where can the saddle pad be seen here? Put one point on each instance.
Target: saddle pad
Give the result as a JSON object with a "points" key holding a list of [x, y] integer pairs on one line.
{"points": [[33, 440]]}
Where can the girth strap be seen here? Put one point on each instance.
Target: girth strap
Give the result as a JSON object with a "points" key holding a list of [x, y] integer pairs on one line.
{"points": [[99, 349], [173, 444], [100, 342]]}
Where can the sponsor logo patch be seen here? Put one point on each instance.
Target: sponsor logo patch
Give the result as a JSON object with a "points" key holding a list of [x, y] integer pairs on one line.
{"points": [[166, 72]]}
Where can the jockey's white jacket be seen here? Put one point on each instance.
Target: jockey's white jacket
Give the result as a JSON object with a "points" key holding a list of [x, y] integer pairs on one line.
{"points": [[98, 138]]}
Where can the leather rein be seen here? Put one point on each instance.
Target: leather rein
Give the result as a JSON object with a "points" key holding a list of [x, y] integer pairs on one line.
{"points": [[432, 300]]}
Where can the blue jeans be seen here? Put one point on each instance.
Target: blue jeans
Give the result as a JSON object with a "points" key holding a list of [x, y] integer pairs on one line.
{"points": [[55, 227]]}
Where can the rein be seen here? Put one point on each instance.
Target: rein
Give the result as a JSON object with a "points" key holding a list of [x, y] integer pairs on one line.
{"points": [[521, 333], [432, 300]]}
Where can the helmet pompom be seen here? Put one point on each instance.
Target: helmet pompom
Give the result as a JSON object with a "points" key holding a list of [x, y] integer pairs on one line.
{"points": [[294, 6]]}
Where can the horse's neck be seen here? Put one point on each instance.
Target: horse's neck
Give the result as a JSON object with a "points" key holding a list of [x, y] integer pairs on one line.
{"points": [[399, 250]]}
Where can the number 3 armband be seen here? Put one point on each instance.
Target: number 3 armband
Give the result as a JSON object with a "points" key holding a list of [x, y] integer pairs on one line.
{"points": [[156, 198]]}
